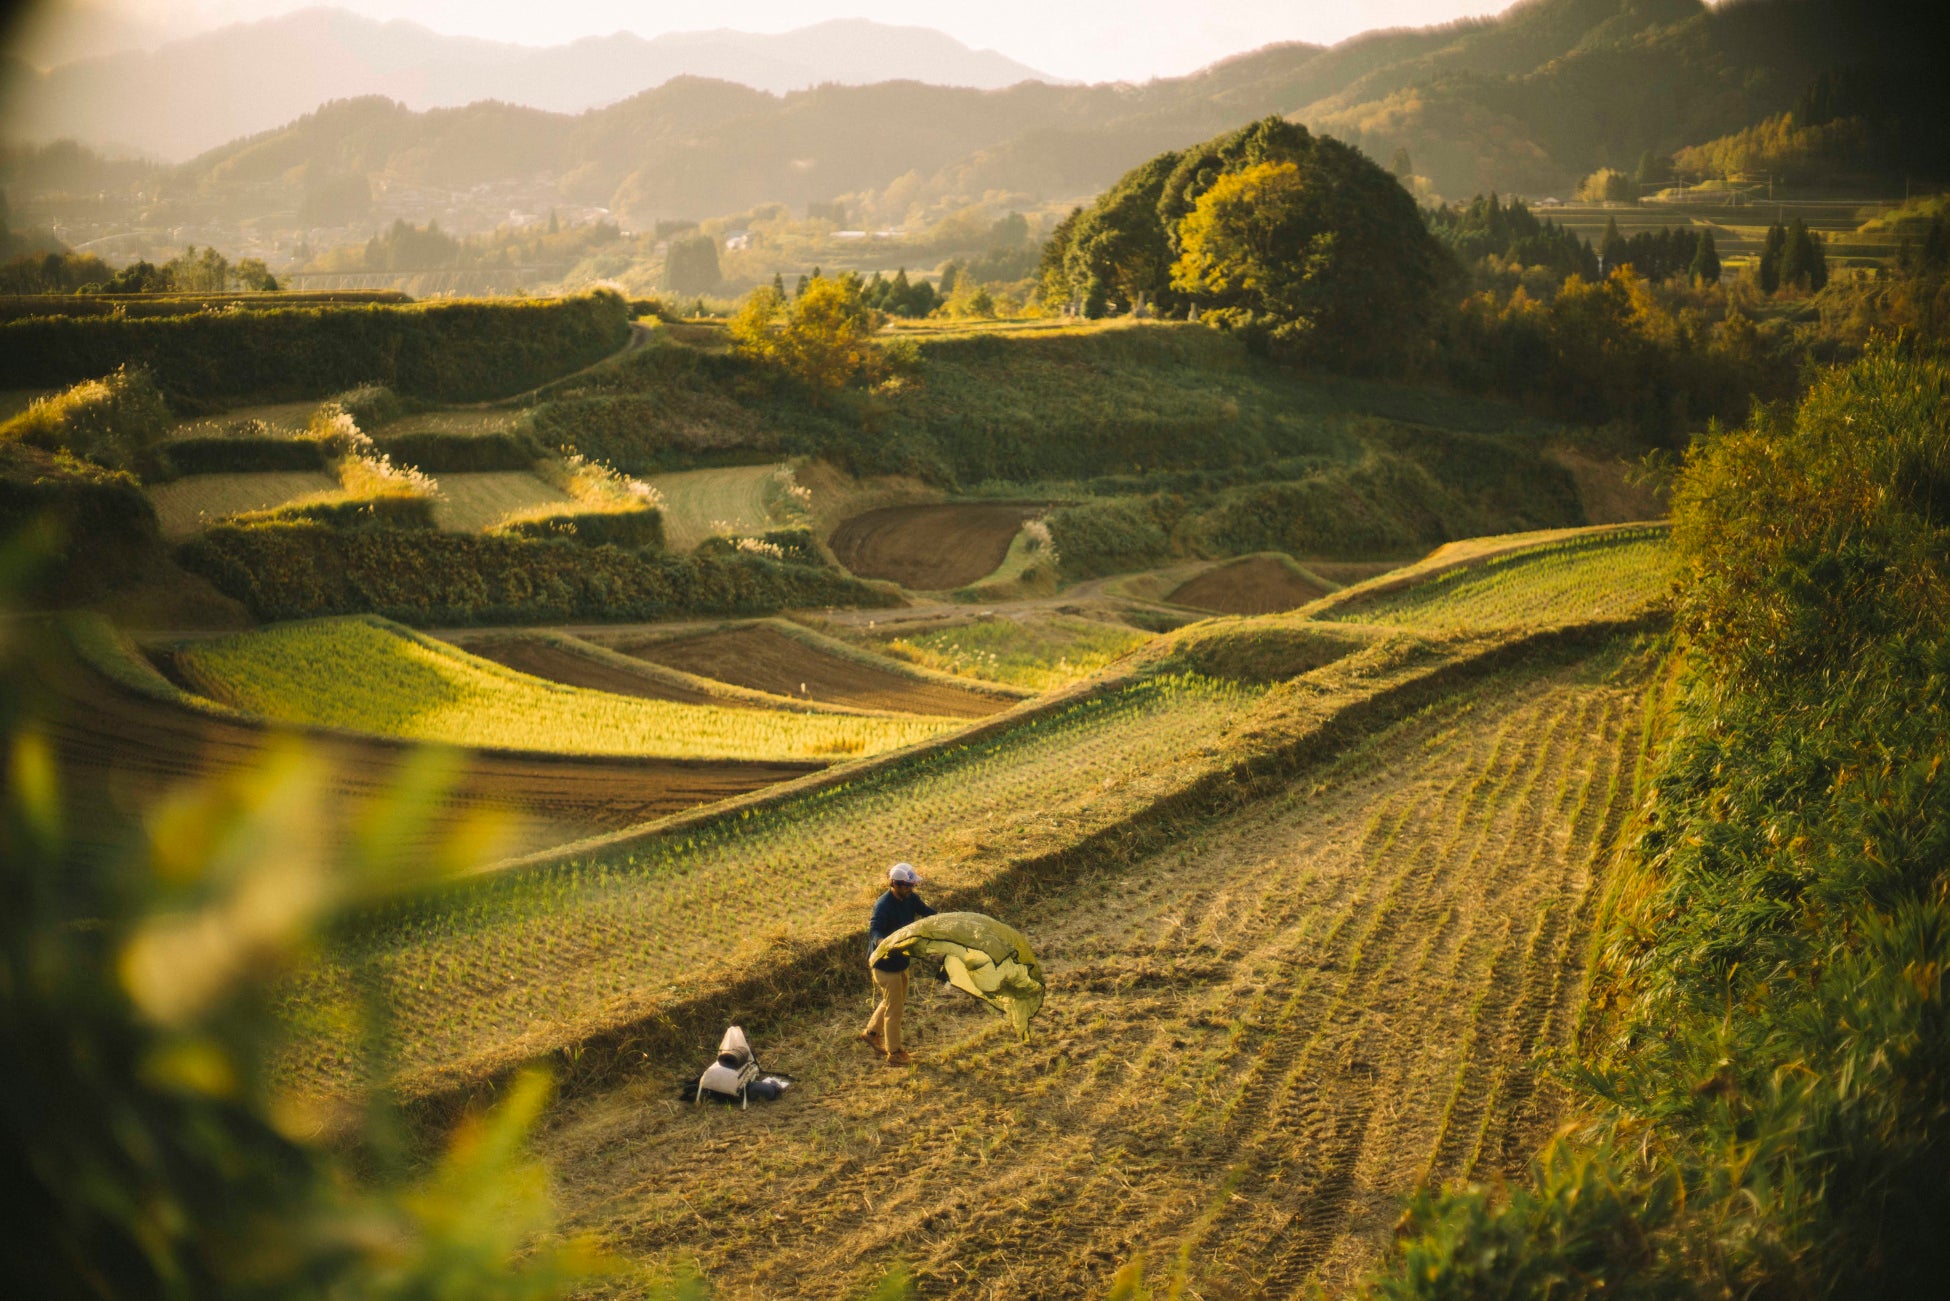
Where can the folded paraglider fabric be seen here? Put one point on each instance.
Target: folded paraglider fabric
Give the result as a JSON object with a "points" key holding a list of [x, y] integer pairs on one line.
{"points": [[981, 956]]}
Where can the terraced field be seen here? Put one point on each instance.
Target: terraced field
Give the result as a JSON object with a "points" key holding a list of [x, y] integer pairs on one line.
{"points": [[365, 675], [1258, 1038], [701, 503], [931, 548], [121, 751], [787, 662], [545, 957], [469, 503], [185, 506], [1253, 585], [1604, 574]]}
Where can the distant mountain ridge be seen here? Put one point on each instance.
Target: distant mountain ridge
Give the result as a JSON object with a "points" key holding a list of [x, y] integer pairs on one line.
{"points": [[191, 95]]}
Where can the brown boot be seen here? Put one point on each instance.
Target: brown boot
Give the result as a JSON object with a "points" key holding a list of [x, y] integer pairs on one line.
{"points": [[872, 1041], [900, 1057]]}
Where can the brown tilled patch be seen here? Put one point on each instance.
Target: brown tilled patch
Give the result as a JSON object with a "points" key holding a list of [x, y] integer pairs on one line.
{"points": [[542, 659], [1254, 585], [1257, 1042], [766, 659], [931, 548], [119, 752]]}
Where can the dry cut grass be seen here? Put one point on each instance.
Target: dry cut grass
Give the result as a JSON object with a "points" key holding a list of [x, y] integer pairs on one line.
{"points": [[366, 675]]}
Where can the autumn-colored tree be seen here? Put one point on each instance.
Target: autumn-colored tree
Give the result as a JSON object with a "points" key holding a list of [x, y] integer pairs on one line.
{"points": [[823, 337]]}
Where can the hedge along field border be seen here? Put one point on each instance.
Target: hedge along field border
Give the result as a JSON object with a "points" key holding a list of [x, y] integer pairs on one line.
{"points": [[804, 974], [449, 351]]}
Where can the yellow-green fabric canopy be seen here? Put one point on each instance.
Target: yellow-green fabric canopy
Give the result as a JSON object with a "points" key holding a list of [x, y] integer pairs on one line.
{"points": [[981, 956]]}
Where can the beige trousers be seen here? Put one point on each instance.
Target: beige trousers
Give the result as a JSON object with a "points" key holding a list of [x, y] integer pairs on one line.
{"points": [[886, 1020]]}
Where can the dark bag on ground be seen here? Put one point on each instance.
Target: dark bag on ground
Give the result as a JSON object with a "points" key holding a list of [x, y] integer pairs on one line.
{"points": [[736, 1075]]}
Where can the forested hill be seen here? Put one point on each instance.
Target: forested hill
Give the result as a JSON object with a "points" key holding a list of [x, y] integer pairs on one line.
{"points": [[1526, 102]]}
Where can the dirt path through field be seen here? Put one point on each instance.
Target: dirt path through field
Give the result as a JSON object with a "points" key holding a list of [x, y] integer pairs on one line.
{"points": [[1257, 1042]]}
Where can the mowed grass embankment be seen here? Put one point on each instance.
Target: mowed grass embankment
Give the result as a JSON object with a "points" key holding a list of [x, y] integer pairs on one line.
{"points": [[476, 501], [1260, 1035], [365, 675], [738, 499]]}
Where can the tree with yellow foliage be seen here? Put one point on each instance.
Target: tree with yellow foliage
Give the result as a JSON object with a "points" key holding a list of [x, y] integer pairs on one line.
{"points": [[823, 337]]}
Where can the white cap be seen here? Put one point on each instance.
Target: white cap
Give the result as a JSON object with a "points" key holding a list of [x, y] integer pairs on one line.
{"points": [[904, 872]]}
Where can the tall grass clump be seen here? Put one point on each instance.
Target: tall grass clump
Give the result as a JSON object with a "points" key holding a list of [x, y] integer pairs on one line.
{"points": [[111, 421], [1764, 1083]]}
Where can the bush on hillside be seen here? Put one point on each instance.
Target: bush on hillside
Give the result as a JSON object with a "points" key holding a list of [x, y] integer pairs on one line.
{"points": [[95, 526], [380, 511], [372, 405], [632, 530], [795, 546], [463, 453], [294, 571], [455, 351], [1768, 1081], [112, 421]]}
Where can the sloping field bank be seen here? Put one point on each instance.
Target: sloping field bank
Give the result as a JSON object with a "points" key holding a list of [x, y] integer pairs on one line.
{"points": [[1261, 1034], [366, 675], [122, 747]]}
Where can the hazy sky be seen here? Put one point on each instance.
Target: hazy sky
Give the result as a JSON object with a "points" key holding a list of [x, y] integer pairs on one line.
{"points": [[1092, 40]]}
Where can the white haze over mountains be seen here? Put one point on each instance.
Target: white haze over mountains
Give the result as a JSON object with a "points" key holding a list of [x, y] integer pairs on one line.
{"points": [[193, 94]]}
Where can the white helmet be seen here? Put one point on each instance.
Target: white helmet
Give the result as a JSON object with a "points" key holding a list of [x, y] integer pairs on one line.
{"points": [[904, 872]]}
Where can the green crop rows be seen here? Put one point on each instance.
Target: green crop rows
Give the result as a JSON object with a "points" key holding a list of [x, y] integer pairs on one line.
{"points": [[365, 675], [536, 957], [1591, 577]]}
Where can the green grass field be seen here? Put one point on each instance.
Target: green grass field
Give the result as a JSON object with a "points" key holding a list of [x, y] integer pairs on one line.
{"points": [[471, 503], [185, 506], [366, 675], [1592, 576], [1035, 652], [703, 503]]}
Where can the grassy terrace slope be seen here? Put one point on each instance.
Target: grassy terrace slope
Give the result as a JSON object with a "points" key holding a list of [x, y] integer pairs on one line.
{"points": [[364, 675], [1607, 573]]}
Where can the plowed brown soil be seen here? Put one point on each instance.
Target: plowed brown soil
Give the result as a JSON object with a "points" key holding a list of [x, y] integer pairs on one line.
{"points": [[931, 548], [119, 751], [1256, 1043], [558, 664], [1255, 585], [766, 659]]}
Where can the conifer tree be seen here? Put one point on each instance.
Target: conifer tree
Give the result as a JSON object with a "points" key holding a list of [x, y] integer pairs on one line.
{"points": [[1797, 257], [1706, 261], [1770, 259], [1612, 248]]}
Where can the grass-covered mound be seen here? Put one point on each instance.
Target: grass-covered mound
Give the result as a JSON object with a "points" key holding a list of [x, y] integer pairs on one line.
{"points": [[1765, 1088], [367, 675], [448, 351], [303, 570]]}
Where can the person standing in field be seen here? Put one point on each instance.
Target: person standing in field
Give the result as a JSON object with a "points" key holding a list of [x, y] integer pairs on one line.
{"points": [[896, 908]]}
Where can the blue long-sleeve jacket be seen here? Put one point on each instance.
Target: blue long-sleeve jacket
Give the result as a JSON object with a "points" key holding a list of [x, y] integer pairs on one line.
{"points": [[890, 913]]}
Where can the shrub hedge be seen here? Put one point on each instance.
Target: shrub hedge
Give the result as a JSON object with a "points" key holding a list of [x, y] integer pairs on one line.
{"points": [[462, 453], [391, 511], [448, 351], [293, 571], [633, 530]]}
